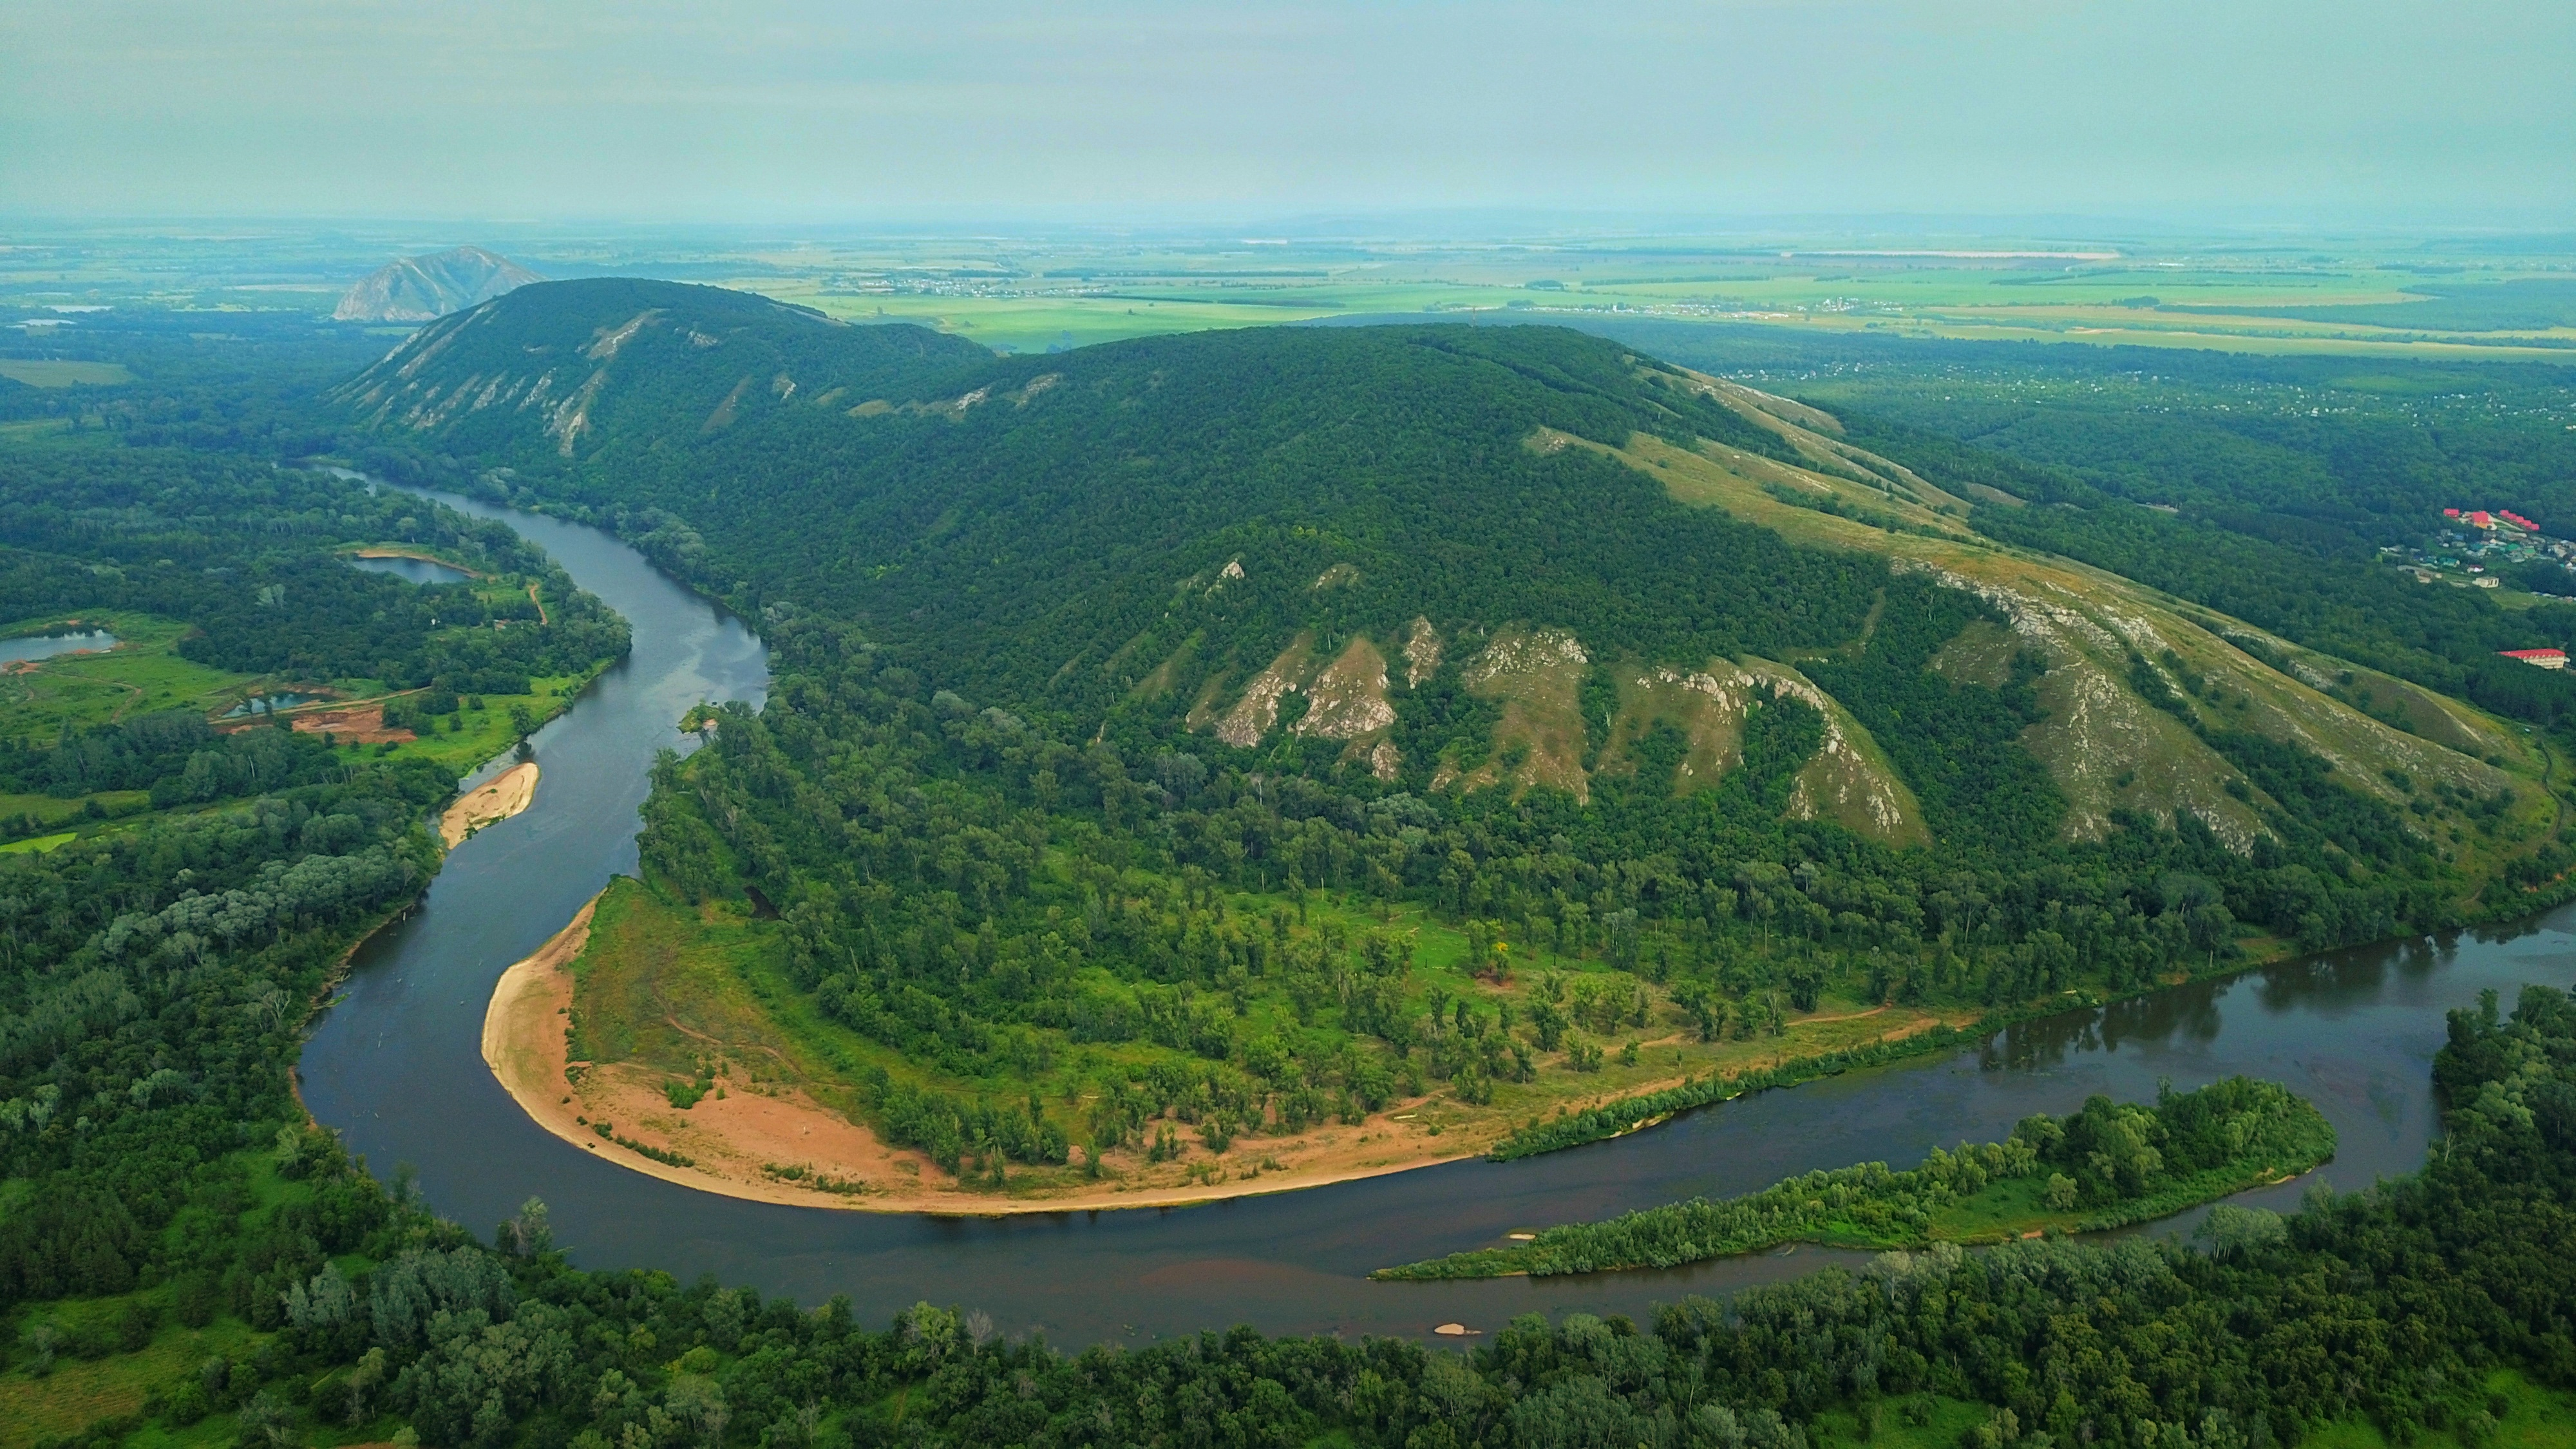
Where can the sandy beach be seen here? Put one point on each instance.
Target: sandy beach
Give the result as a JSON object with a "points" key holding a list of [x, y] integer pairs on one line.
{"points": [[730, 1139], [497, 799], [750, 1130]]}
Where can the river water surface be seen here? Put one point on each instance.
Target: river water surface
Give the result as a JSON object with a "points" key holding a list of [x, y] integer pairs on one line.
{"points": [[396, 1066]]}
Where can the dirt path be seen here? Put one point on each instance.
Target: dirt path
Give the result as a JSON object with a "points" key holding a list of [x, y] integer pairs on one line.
{"points": [[503, 796]]}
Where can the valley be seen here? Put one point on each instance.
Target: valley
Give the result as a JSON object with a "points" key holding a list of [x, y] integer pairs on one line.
{"points": [[1355, 845], [1147, 726], [1283, 774]]}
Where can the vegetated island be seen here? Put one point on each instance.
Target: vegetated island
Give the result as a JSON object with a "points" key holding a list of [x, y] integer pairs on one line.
{"points": [[2105, 1166]]}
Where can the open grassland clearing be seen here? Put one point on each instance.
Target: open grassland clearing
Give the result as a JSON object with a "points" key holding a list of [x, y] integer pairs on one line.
{"points": [[49, 372], [2106, 745], [70, 1396], [143, 673]]}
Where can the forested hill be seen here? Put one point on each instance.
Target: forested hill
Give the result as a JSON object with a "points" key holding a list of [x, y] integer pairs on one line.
{"points": [[1041, 511], [1439, 559], [600, 366]]}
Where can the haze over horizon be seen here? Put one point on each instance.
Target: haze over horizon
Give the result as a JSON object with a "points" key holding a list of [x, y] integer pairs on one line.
{"points": [[2379, 112]]}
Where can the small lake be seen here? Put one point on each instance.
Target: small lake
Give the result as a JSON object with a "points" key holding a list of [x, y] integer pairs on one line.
{"points": [[417, 570], [46, 646], [268, 704]]}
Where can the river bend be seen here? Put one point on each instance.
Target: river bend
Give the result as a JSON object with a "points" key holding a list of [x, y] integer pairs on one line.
{"points": [[396, 1066]]}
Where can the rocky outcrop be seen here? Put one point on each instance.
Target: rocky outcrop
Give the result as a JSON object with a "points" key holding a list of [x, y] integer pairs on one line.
{"points": [[421, 289]]}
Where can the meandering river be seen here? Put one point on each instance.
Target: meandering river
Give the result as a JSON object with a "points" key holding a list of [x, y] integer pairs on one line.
{"points": [[396, 1066]]}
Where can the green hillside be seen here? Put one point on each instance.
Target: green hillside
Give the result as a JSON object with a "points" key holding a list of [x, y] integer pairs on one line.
{"points": [[567, 368], [1095, 669]]}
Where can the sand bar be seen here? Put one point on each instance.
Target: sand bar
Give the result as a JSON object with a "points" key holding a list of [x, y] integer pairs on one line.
{"points": [[497, 799]]}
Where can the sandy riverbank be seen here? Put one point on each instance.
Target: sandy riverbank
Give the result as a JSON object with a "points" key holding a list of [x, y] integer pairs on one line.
{"points": [[753, 1130], [499, 798], [731, 1138]]}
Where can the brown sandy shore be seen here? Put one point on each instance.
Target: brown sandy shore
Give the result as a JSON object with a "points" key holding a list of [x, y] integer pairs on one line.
{"points": [[732, 1137], [497, 799]]}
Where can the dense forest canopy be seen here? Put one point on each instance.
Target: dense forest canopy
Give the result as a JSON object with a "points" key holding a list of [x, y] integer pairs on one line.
{"points": [[1021, 596], [975, 847], [249, 555]]}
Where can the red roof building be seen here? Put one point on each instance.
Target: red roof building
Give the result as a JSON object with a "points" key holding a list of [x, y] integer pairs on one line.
{"points": [[2538, 658]]}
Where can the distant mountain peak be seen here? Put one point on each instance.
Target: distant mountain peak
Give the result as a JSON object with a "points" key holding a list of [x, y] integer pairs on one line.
{"points": [[420, 289]]}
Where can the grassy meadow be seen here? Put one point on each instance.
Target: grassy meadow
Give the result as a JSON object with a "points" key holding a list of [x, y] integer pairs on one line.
{"points": [[51, 372], [144, 673]]}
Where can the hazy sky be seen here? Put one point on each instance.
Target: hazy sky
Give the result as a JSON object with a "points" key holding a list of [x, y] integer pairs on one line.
{"points": [[793, 110]]}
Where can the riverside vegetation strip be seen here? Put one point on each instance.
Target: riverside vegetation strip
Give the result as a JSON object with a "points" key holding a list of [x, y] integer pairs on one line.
{"points": [[230, 581], [2105, 1166]]}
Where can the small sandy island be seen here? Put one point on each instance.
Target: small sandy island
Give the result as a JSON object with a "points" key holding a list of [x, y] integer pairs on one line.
{"points": [[497, 799], [731, 1141]]}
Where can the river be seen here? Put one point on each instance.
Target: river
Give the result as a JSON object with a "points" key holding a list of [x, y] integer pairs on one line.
{"points": [[396, 1066]]}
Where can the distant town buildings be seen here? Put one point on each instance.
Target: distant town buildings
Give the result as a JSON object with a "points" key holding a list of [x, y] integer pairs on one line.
{"points": [[2479, 544]]}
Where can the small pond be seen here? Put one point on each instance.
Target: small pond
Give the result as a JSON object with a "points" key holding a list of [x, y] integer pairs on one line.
{"points": [[418, 570], [268, 704], [46, 646]]}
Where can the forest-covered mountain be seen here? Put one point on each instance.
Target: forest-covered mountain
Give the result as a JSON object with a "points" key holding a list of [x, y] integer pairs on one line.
{"points": [[1434, 555], [1090, 663], [417, 289], [571, 367]]}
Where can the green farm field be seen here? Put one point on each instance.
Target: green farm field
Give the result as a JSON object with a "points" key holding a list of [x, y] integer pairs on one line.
{"points": [[2195, 295], [2361, 297], [44, 372]]}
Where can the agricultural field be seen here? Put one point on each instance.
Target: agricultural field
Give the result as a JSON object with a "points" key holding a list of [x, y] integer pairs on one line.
{"points": [[2472, 299], [2158, 294], [48, 373]]}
